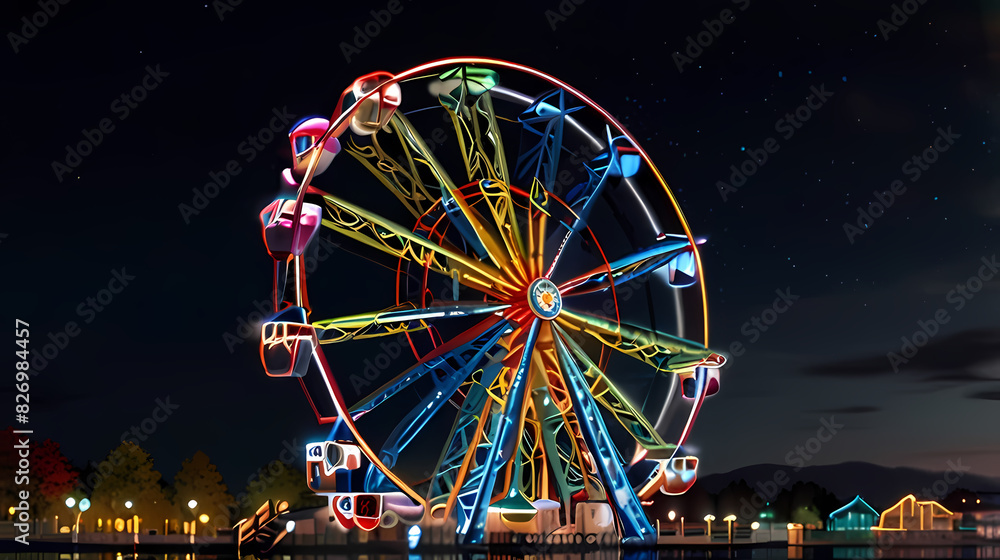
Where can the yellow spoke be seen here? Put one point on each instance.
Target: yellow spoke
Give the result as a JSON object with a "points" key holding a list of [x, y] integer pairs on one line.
{"points": [[664, 352], [389, 237]]}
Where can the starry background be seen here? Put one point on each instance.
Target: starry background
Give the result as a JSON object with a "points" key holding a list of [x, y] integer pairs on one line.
{"points": [[783, 229]]}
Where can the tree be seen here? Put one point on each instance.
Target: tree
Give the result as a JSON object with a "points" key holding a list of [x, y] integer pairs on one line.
{"points": [[732, 500], [808, 516], [49, 479], [54, 476], [277, 481], [201, 481], [129, 476]]}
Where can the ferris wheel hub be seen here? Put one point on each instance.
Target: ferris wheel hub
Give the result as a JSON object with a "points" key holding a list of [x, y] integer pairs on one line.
{"points": [[544, 299]]}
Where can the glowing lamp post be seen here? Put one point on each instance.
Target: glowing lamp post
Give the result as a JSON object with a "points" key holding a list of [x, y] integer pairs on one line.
{"points": [[193, 505], [708, 523], [729, 519], [83, 505]]}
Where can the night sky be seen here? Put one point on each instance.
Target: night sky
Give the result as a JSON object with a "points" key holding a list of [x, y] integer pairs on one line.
{"points": [[865, 102]]}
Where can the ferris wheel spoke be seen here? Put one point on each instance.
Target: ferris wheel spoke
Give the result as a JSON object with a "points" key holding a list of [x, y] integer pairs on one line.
{"points": [[536, 226], [389, 237], [605, 456], [465, 431], [366, 325], [551, 419], [496, 196], [477, 489], [631, 267], [447, 380], [402, 178], [474, 426], [615, 402], [543, 122], [402, 318], [474, 228], [665, 352], [470, 106], [426, 365], [620, 160], [465, 220], [558, 412]]}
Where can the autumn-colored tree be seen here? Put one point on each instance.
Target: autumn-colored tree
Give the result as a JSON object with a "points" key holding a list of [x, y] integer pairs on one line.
{"points": [[201, 481], [129, 476], [49, 479], [54, 477]]}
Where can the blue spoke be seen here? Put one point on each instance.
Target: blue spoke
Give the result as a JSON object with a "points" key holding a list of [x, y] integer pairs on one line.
{"points": [[477, 491], [635, 526]]}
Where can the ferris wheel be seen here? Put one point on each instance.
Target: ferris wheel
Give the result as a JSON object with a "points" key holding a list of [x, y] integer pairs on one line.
{"points": [[533, 290]]}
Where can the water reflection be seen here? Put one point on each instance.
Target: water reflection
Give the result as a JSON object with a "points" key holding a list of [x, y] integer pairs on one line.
{"points": [[813, 552]]}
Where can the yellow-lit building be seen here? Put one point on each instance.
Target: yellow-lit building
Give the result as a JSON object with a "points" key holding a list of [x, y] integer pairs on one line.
{"points": [[910, 514]]}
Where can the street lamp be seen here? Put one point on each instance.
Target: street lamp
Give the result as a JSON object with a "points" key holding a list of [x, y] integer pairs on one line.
{"points": [[193, 504], [729, 519], [128, 504], [83, 505], [708, 522]]}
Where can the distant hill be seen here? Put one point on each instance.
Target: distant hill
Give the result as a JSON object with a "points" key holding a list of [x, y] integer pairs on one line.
{"points": [[879, 486]]}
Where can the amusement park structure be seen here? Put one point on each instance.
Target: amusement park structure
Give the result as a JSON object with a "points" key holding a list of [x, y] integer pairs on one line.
{"points": [[544, 284]]}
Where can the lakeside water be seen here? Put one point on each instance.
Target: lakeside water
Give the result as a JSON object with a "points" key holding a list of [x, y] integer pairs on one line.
{"points": [[813, 552]]}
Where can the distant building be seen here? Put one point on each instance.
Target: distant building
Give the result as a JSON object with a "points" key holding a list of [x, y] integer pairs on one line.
{"points": [[909, 514], [857, 515], [979, 512]]}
